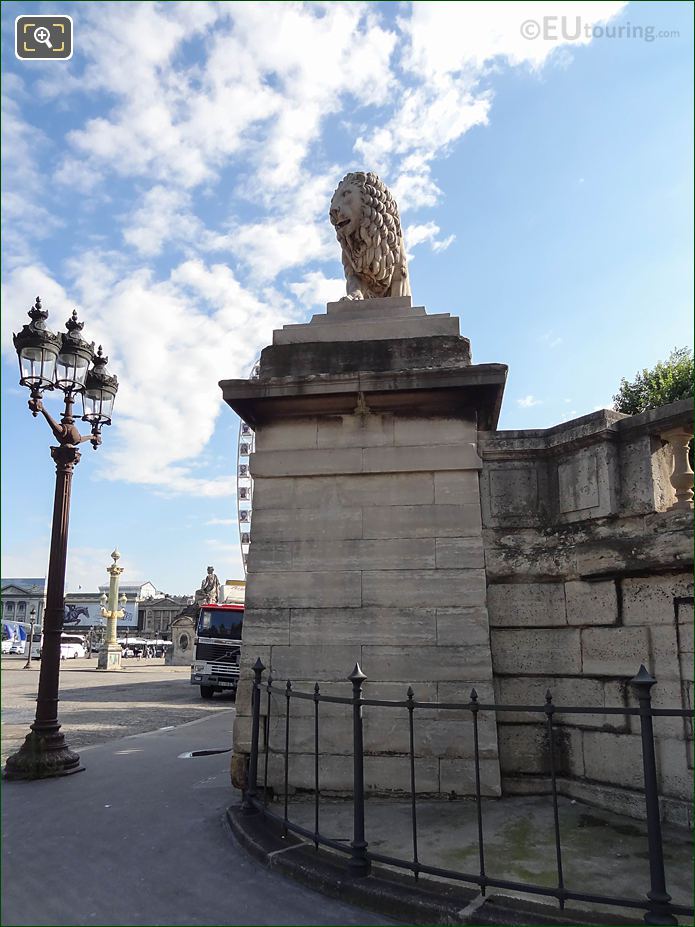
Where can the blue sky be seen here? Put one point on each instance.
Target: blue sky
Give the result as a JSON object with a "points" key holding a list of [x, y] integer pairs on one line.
{"points": [[172, 181]]}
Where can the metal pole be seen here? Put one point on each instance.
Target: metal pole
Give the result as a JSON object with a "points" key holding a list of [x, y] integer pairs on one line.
{"points": [[358, 864], [44, 752], [250, 791], [32, 624], [658, 896]]}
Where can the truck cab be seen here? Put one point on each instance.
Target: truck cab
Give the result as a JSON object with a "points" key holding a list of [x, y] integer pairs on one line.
{"points": [[215, 666]]}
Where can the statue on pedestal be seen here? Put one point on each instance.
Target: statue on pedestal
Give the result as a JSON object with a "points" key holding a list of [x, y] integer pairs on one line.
{"points": [[368, 228], [209, 591]]}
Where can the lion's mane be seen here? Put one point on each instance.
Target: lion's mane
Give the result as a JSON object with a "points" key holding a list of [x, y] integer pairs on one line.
{"points": [[375, 251]]}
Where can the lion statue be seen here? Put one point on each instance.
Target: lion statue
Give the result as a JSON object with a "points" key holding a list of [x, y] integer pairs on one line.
{"points": [[365, 217]]}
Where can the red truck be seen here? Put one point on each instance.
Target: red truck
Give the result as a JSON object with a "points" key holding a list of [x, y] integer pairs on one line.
{"points": [[215, 666]]}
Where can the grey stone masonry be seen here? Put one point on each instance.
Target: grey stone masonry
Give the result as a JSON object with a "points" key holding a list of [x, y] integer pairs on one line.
{"points": [[589, 573], [366, 541]]}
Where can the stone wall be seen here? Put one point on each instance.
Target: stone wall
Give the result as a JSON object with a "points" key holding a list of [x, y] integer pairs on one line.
{"points": [[590, 574]]}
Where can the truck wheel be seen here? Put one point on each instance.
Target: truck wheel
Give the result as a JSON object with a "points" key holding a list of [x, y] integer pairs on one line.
{"points": [[206, 691]]}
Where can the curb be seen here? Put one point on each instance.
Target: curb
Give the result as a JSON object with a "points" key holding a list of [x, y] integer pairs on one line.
{"points": [[390, 893]]}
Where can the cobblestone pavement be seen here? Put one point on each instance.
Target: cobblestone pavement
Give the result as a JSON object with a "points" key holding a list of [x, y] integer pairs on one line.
{"points": [[96, 707]]}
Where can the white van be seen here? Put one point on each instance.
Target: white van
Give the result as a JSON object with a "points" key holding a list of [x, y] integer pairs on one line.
{"points": [[72, 646]]}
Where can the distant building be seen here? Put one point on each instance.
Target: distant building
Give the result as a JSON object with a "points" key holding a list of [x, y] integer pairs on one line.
{"points": [[147, 610], [157, 614], [19, 596], [83, 609]]}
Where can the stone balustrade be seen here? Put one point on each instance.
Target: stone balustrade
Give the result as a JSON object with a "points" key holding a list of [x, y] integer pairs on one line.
{"points": [[682, 475]]}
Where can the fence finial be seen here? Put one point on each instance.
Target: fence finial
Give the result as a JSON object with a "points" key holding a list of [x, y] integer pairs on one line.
{"points": [[643, 677], [357, 674]]}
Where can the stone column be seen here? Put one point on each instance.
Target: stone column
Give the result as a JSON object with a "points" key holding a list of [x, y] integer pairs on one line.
{"points": [[110, 652], [366, 541]]}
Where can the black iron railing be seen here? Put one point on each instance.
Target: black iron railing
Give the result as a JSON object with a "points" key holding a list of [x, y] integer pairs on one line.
{"points": [[657, 902]]}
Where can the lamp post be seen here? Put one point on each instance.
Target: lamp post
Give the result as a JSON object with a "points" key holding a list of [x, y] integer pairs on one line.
{"points": [[110, 651], [32, 623], [48, 361]]}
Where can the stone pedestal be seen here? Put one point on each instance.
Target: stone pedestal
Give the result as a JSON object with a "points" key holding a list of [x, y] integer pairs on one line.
{"points": [[110, 657], [182, 638], [366, 541]]}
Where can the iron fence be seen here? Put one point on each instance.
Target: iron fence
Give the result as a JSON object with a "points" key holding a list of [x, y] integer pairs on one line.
{"points": [[656, 903]]}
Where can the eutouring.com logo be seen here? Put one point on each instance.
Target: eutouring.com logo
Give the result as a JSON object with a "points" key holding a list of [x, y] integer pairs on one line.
{"points": [[572, 28]]}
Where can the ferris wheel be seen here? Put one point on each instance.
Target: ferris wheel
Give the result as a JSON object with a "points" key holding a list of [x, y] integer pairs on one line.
{"points": [[244, 483]]}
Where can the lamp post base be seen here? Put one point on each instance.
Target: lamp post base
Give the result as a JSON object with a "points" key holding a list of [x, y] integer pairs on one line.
{"points": [[42, 756], [110, 657]]}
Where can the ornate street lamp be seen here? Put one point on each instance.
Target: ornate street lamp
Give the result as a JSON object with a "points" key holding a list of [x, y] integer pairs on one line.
{"points": [[32, 625], [48, 361], [110, 651]]}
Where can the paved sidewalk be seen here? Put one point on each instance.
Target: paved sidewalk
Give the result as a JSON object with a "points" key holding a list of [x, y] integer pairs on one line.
{"points": [[139, 838], [96, 706]]}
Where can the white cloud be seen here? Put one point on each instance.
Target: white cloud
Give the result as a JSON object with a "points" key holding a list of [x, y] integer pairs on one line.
{"points": [[25, 216], [416, 234], [551, 340], [277, 244], [256, 90], [450, 37], [163, 216], [441, 244], [174, 340], [316, 290], [527, 401], [221, 521], [427, 232]]}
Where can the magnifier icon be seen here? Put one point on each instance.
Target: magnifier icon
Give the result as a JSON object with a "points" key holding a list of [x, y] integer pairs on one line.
{"points": [[43, 35]]}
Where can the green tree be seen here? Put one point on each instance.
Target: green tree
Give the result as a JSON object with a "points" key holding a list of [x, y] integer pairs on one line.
{"points": [[668, 381]]}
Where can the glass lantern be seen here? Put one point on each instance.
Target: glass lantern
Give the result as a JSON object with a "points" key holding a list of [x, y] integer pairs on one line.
{"points": [[74, 359], [37, 366], [37, 349], [100, 390]]}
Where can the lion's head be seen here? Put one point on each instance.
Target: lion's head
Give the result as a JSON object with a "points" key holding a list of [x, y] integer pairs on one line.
{"points": [[365, 217]]}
